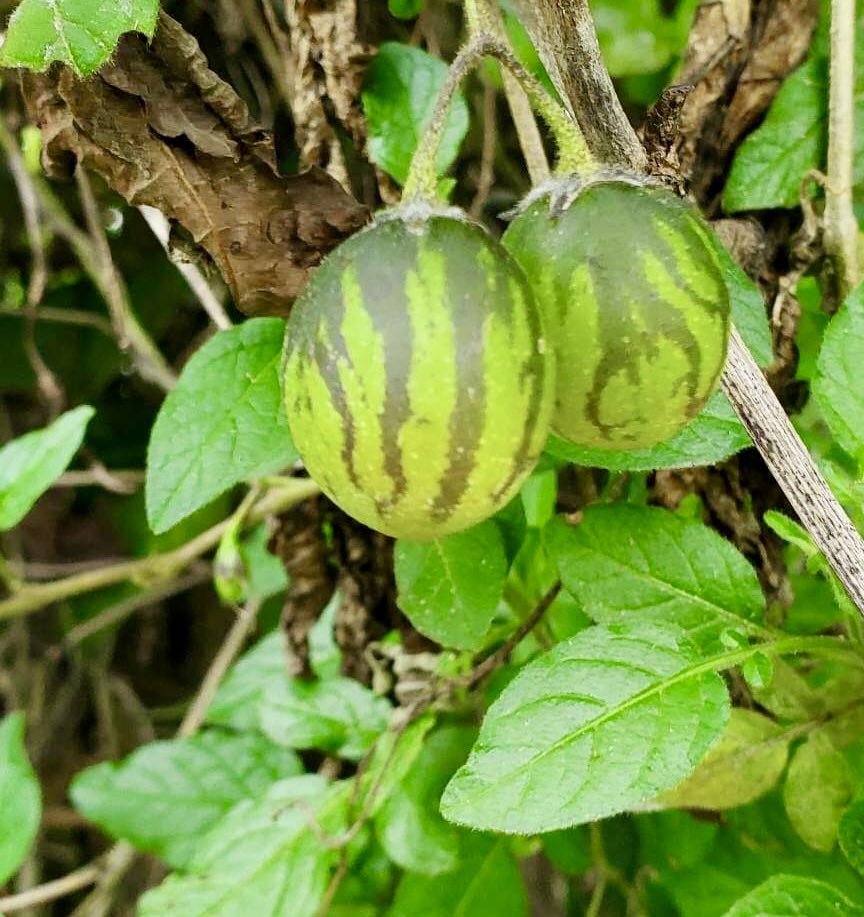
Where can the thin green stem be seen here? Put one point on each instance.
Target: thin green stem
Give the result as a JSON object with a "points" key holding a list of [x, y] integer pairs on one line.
{"points": [[486, 16], [156, 567], [573, 153], [828, 647], [598, 855]]}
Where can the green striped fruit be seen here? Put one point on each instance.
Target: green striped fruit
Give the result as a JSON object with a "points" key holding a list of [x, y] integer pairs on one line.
{"points": [[417, 387], [635, 305]]}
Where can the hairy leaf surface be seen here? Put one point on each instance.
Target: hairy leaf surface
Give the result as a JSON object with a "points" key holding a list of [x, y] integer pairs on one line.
{"points": [[589, 729], [223, 424]]}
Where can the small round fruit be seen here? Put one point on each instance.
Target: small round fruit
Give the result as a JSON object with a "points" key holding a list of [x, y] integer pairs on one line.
{"points": [[417, 385], [635, 306]]}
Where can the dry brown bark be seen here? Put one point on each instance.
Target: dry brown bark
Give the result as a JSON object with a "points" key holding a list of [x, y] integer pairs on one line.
{"points": [[163, 129], [738, 55], [326, 64], [298, 541]]}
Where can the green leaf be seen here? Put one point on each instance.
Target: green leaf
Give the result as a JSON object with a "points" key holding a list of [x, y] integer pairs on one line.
{"points": [[164, 796], [770, 164], [238, 701], [406, 9], [224, 423], [399, 94], [392, 758], [748, 308], [81, 33], [450, 588], [409, 825], [791, 531], [837, 387], [30, 464], [325, 657], [851, 835], [788, 695], [625, 558], [487, 881], [817, 790], [758, 671], [264, 858], [266, 573], [675, 839], [339, 715], [793, 896], [20, 797], [745, 764], [636, 38], [793, 139], [539, 495], [594, 727], [712, 437]]}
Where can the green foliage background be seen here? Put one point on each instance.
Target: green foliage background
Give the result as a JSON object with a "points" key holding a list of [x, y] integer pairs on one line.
{"points": [[666, 741]]}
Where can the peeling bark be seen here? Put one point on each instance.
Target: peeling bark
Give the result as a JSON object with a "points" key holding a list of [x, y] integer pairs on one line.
{"points": [[163, 129]]}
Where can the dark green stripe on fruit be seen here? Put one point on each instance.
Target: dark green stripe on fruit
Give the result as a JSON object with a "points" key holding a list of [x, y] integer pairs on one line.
{"points": [[414, 380], [638, 310]]}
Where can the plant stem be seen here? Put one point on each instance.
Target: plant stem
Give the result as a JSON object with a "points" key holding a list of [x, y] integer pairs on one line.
{"points": [[118, 613], [564, 35], [485, 16], [66, 317], [132, 337], [794, 469], [195, 280], [156, 567], [46, 381], [573, 152], [828, 647], [502, 655], [51, 891], [122, 855], [223, 661], [598, 855], [841, 227]]}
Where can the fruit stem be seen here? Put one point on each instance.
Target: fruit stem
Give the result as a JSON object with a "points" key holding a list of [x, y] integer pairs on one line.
{"points": [[573, 153], [487, 16]]}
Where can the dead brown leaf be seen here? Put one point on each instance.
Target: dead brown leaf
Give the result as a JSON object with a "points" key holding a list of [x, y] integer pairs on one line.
{"points": [[163, 129], [326, 73], [739, 53]]}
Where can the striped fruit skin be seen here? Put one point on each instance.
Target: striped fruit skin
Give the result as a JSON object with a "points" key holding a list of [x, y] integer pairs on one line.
{"points": [[636, 309], [417, 386]]}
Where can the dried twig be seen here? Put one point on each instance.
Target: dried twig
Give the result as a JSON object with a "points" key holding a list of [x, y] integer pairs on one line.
{"points": [[122, 856], [223, 661], [841, 227], [51, 891], [132, 337], [196, 281], [65, 317], [118, 613], [46, 381], [486, 178], [794, 468], [484, 16], [115, 482], [157, 566]]}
